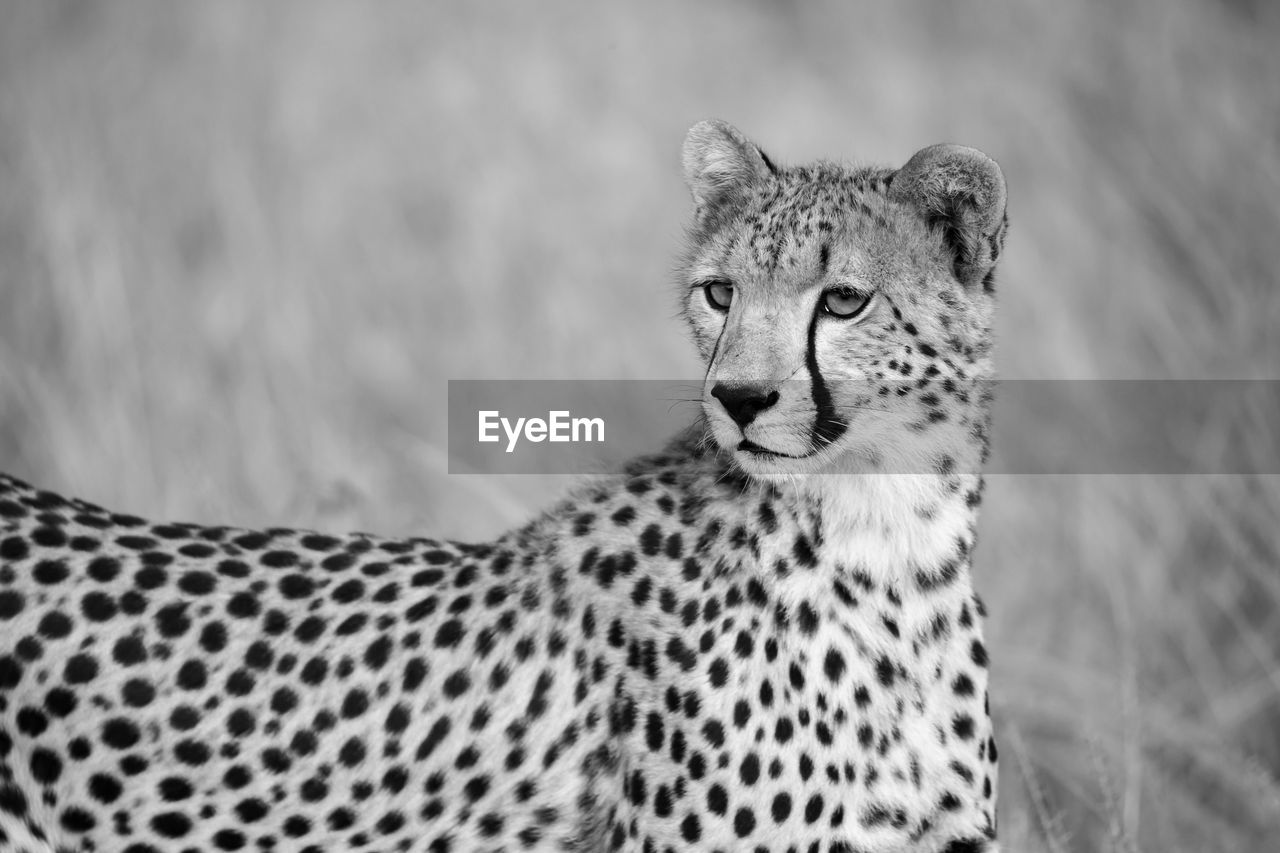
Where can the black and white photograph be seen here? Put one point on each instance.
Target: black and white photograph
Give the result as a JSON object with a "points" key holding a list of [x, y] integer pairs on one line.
{"points": [[757, 427]]}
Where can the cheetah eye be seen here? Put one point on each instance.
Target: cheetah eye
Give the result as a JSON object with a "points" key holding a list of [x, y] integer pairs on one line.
{"points": [[719, 294], [844, 303]]}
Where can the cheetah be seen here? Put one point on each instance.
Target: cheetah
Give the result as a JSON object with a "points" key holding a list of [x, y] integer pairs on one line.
{"points": [[763, 638]]}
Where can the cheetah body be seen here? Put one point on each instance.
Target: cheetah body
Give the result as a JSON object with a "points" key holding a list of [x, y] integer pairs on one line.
{"points": [[698, 653]]}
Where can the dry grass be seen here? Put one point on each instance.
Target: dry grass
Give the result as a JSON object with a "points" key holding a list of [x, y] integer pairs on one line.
{"points": [[244, 245]]}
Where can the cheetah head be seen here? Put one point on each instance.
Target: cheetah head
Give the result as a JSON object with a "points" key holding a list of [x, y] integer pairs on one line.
{"points": [[844, 314]]}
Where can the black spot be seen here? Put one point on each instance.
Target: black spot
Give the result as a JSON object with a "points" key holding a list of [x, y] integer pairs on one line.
{"points": [[295, 586], [978, 653], [885, 671], [60, 702], [46, 766], [253, 541], [259, 655], [32, 722], [781, 807], [49, 537], [309, 629], [690, 829], [415, 670], [348, 591], [317, 542], [434, 738], [313, 790], [806, 618], [174, 789], [378, 652], [314, 671], [120, 733], [133, 602], [538, 701], [963, 845], [457, 683], [29, 649], [50, 572], [719, 672], [171, 824], [229, 839], [197, 550], [133, 765], [11, 603], [10, 673], [233, 569], [213, 637], [150, 577], [296, 826], [783, 731], [137, 693], [240, 683], [192, 752], [98, 606], [75, 819], [80, 669], [105, 788], [662, 801], [802, 550], [251, 810], [351, 625], [184, 718], [654, 734], [450, 634], [280, 559], [651, 540], [833, 665], [476, 788], [197, 583], [240, 723], [172, 620], [390, 823], [54, 625], [243, 605]]}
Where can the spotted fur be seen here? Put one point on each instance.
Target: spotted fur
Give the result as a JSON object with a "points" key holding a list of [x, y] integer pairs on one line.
{"points": [[717, 649]]}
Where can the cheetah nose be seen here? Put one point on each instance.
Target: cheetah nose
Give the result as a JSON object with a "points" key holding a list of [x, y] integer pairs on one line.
{"points": [[744, 400]]}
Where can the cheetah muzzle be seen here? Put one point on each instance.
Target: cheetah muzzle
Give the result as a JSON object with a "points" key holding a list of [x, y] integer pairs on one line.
{"points": [[764, 638]]}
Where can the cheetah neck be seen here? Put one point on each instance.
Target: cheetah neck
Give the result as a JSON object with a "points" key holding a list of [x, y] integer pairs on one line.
{"points": [[896, 524], [907, 532]]}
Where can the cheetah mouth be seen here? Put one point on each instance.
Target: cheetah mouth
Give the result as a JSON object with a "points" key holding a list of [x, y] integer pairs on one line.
{"points": [[763, 452]]}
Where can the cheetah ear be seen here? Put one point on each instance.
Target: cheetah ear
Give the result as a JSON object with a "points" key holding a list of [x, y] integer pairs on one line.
{"points": [[720, 164], [960, 191]]}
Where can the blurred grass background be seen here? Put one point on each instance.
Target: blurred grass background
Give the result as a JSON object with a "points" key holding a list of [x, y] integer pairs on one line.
{"points": [[244, 245]]}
